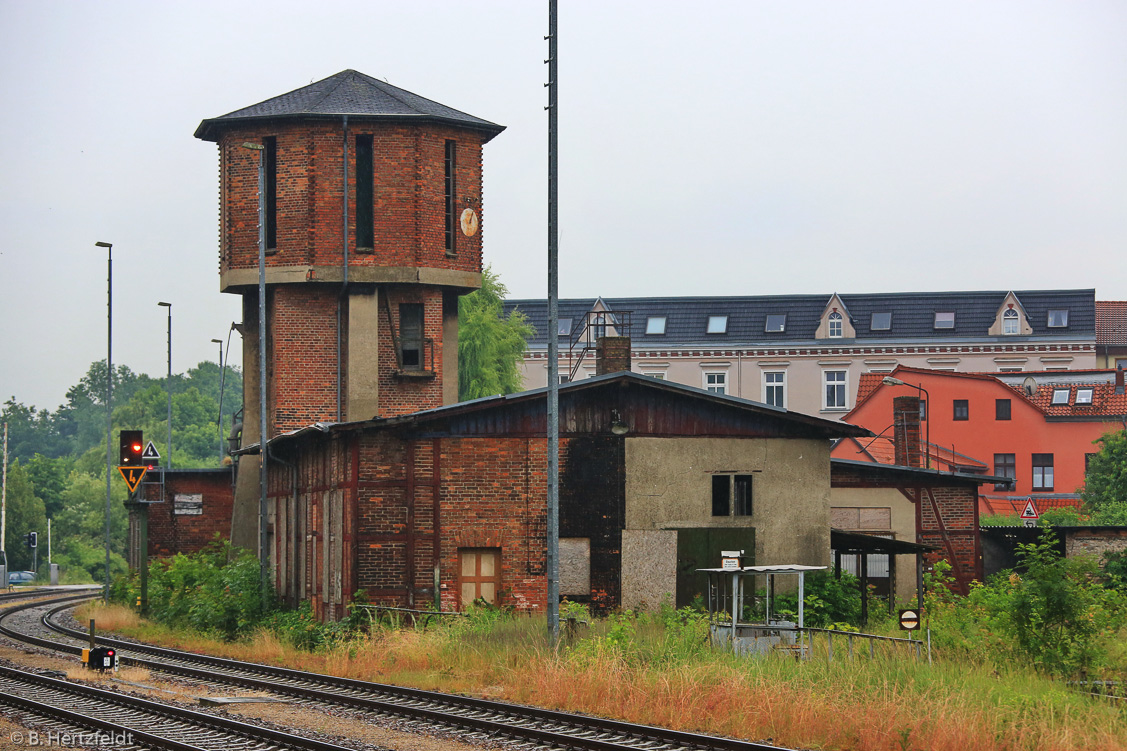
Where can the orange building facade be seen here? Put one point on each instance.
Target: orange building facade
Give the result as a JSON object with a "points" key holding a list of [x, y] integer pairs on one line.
{"points": [[1036, 428]]}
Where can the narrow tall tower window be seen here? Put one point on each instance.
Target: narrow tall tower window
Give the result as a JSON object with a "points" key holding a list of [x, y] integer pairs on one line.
{"points": [[271, 145], [411, 336], [450, 188], [365, 231]]}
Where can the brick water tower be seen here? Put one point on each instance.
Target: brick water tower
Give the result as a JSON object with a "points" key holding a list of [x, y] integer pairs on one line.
{"points": [[372, 212]]}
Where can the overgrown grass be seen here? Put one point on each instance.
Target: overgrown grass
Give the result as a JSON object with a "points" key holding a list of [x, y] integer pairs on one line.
{"points": [[656, 669]]}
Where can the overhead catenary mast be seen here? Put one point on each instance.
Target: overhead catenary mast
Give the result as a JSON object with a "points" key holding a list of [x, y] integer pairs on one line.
{"points": [[553, 595]]}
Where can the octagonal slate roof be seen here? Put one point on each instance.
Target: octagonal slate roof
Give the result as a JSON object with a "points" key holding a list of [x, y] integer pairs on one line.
{"points": [[347, 93]]}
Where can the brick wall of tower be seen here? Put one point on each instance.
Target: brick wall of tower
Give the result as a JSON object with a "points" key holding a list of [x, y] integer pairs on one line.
{"points": [[401, 393], [170, 532], [303, 355], [408, 196]]}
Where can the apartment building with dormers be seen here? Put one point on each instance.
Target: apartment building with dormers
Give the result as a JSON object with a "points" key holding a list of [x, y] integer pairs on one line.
{"points": [[807, 353]]}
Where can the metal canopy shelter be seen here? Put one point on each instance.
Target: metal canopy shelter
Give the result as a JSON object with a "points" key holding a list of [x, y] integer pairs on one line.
{"points": [[726, 595], [855, 543]]}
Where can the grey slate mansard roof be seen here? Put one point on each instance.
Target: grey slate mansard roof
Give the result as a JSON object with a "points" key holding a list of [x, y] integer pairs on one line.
{"points": [[913, 316], [347, 93]]}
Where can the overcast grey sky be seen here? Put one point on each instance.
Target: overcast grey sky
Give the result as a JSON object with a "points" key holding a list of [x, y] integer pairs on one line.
{"points": [[746, 147]]}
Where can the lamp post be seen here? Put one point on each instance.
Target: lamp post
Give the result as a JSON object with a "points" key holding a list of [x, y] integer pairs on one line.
{"points": [[219, 419], [168, 384], [890, 381], [109, 400]]}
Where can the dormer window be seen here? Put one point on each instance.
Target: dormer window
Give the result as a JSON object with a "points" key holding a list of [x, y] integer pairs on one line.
{"points": [[717, 325], [1058, 319], [1084, 396], [881, 321], [1011, 322], [655, 325], [1060, 397], [835, 325], [777, 323], [944, 320]]}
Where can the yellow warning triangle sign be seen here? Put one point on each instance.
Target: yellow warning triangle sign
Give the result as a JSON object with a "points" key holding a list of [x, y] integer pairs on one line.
{"points": [[133, 476]]}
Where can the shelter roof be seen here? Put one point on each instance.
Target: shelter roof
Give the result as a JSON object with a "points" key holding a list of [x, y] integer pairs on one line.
{"points": [[704, 412], [855, 542]]}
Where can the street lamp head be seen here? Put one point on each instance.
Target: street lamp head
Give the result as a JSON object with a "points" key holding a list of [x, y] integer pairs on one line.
{"points": [[165, 304], [890, 381], [254, 146], [101, 244], [217, 341]]}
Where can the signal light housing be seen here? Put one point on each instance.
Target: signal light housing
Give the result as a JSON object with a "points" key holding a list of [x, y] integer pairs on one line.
{"points": [[131, 445]]}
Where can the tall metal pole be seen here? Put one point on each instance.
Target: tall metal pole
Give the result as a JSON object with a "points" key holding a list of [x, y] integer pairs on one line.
{"points": [[553, 336], [263, 549], [4, 503], [219, 420], [109, 400], [168, 384]]}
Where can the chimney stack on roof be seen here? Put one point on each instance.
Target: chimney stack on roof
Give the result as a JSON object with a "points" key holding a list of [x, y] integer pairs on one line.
{"points": [[612, 354], [1119, 380], [906, 431]]}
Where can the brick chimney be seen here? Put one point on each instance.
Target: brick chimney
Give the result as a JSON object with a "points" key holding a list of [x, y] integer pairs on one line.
{"points": [[612, 354], [1119, 380], [906, 430]]}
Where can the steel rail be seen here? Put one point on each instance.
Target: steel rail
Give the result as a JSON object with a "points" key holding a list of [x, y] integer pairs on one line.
{"points": [[174, 718], [492, 717]]}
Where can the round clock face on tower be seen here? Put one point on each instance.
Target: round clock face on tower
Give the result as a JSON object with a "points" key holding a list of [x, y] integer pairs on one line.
{"points": [[469, 222]]}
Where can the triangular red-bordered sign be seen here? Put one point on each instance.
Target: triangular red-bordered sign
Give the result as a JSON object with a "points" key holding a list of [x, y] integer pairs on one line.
{"points": [[133, 476], [1030, 511]]}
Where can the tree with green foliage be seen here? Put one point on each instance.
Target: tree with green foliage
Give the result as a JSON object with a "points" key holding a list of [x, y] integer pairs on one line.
{"points": [[490, 344], [1105, 485], [25, 514]]}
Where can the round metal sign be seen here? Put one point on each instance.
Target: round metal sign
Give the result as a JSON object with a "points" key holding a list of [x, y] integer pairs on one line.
{"points": [[469, 222], [910, 619]]}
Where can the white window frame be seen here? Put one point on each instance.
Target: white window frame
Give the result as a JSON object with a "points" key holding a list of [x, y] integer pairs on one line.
{"points": [[1060, 397], [773, 384], [842, 385], [655, 325], [719, 381], [1011, 322], [1084, 395], [836, 325], [717, 325]]}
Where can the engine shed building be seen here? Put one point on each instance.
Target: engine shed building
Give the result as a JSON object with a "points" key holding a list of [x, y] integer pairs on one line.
{"points": [[442, 507]]}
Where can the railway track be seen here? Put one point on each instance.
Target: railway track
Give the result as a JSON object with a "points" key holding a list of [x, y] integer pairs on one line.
{"points": [[528, 726]]}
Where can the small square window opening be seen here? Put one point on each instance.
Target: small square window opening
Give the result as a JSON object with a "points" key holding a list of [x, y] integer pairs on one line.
{"points": [[1002, 409], [1084, 396], [962, 409], [776, 322], [1058, 319], [945, 320], [655, 325], [881, 321], [1060, 397], [717, 324]]}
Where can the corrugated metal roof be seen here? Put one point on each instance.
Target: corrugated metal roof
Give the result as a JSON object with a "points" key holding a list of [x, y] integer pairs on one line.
{"points": [[912, 313]]}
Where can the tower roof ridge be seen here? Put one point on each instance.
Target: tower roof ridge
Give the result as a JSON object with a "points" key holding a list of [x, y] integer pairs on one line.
{"points": [[351, 93]]}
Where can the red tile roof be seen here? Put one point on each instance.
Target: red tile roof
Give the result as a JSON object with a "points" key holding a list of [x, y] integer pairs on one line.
{"points": [[998, 505], [1105, 402], [1111, 323]]}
